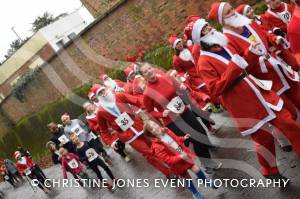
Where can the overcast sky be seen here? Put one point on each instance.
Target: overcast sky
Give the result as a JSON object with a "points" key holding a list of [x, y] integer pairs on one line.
{"points": [[21, 13]]}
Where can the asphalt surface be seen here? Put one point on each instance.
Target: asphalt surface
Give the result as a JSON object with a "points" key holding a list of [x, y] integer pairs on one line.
{"points": [[235, 152]]}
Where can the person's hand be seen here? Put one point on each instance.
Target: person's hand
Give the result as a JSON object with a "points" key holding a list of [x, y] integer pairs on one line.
{"points": [[184, 156], [166, 113], [187, 136], [256, 49]]}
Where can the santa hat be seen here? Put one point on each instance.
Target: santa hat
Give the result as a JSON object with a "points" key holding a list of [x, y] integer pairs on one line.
{"points": [[17, 154], [216, 12], [91, 95], [52, 125], [103, 77], [192, 18], [94, 88], [242, 9], [194, 29], [174, 40], [128, 71]]}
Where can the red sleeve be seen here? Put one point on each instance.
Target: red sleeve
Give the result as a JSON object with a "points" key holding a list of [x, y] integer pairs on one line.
{"points": [[103, 130], [20, 169], [216, 84], [177, 66], [120, 83], [130, 99], [196, 53], [160, 152], [149, 106]]}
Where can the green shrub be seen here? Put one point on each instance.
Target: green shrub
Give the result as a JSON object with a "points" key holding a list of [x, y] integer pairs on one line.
{"points": [[161, 57]]}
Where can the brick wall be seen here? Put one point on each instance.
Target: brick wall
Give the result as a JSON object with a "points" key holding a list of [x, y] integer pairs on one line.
{"points": [[99, 7], [134, 24]]}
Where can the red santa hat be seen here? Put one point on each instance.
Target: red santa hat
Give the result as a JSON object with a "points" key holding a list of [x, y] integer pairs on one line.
{"points": [[103, 77], [193, 30], [128, 71], [174, 40], [192, 18], [91, 95], [216, 12], [17, 154], [242, 9]]}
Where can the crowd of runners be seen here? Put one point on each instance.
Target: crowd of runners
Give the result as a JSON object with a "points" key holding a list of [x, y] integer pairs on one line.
{"points": [[250, 69]]}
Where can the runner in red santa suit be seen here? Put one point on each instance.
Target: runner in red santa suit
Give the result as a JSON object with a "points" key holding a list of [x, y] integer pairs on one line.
{"points": [[116, 84], [162, 99], [223, 71], [91, 113], [278, 15], [242, 34], [115, 111]]}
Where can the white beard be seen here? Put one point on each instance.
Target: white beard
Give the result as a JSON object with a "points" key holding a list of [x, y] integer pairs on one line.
{"points": [[23, 161], [215, 37], [108, 100], [237, 20], [109, 82]]}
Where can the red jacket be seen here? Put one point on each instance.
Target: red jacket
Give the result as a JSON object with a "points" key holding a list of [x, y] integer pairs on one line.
{"points": [[105, 137], [65, 160], [170, 156], [106, 119], [22, 167]]}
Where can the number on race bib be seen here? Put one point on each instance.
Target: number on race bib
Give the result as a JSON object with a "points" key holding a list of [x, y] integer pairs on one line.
{"points": [[73, 164], [27, 172], [124, 121], [176, 105], [63, 139], [91, 154]]}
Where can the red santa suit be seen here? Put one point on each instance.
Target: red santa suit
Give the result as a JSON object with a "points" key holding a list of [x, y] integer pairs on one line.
{"points": [[24, 164], [278, 18], [267, 69], [129, 128], [170, 156], [225, 77]]}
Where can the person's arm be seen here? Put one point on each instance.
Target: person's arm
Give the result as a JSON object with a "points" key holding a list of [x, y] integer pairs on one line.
{"points": [[167, 158], [149, 106], [63, 167], [104, 132], [130, 99], [219, 84]]}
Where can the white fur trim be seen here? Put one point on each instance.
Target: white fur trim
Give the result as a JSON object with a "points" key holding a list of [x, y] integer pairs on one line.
{"points": [[175, 42], [220, 12], [278, 107], [197, 29], [245, 9]]}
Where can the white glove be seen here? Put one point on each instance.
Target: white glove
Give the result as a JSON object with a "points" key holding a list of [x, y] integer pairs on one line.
{"points": [[282, 41], [240, 61], [257, 49]]}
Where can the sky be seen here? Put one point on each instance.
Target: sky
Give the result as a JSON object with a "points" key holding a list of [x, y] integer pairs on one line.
{"points": [[21, 13]]}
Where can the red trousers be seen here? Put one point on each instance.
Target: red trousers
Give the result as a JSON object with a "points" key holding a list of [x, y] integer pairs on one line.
{"points": [[143, 146], [264, 141]]}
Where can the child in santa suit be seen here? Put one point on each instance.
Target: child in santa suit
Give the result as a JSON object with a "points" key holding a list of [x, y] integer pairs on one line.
{"points": [[91, 110], [28, 168], [170, 149]]}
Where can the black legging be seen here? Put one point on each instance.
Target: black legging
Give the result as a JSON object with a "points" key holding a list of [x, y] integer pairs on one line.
{"points": [[187, 123], [98, 162], [120, 148], [36, 174]]}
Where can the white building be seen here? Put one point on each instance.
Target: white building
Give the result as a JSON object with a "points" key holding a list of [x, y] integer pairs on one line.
{"points": [[66, 28]]}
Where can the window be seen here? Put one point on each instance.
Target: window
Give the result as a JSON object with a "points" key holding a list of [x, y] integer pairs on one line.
{"points": [[60, 43]]}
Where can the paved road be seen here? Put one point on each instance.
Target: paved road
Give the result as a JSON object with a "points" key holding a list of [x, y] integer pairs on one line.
{"points": [[235, 152]]}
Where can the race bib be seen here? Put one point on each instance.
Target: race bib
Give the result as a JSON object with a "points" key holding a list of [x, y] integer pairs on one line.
{"points": [[124, 121], [285, 16], [91, 154], [73, 164], [27, 172], [92, 136], [77, 129], [176, 105], [63, 139], [264, 84]]}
